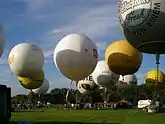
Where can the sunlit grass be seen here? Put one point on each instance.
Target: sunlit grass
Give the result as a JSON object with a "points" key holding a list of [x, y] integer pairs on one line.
{"points": [[54, 116]]}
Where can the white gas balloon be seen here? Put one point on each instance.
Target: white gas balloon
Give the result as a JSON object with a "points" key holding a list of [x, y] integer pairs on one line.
{"points": [[43, 88], [26, 59], [103, 76], [89, 80], [2, 41], [87, 85], [143, 24], [127, 81], [76, 56], [83, 87]]}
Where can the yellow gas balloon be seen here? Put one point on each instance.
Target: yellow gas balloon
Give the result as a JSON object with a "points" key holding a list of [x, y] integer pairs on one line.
{"points": [[33, 82], [154, 76], [122, 58]]}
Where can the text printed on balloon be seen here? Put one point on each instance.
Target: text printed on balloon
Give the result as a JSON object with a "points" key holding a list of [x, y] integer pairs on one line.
{"points": [[130, 17], [95, 54], [134, 12], [129, 4], [89, 78], [11, 59]]}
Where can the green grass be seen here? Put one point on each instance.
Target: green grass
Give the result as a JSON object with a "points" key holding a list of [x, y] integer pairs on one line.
{"points": [[54, 116]]}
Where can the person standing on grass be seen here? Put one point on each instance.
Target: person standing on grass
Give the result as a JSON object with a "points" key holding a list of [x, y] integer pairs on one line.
{"points": [[157, 105]]}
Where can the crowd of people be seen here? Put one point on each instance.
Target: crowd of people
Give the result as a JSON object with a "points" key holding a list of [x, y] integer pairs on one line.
{"points": [[98, 106], [30, 106], [93, 106]]}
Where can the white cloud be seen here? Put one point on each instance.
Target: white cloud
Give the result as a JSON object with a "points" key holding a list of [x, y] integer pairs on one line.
{"points": [[41, 10], [3, 61], [48, 53], [5, 71], [37, 8], [4, 57], [94, 23], [37, 5], [102, 46]]}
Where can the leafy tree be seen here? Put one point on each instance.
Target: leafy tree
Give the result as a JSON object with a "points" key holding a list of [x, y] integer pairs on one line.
{"points": [[113, 94]]}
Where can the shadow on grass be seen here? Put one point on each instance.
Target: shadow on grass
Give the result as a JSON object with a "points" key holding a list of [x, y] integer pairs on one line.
{"points": [[24, 111], [61, 123]]}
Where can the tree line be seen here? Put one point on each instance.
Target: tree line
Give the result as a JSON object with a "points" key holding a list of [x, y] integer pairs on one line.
{"points": [[111, 94]]}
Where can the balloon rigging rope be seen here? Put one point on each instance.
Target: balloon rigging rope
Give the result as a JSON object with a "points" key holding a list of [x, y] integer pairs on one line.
{"points": [[67, 94], [29, 98], [104, 95]]}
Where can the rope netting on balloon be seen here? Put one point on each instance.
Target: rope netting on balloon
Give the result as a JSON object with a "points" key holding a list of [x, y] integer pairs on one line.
{"points": [[29, 99], [104, 95], [68, 91], [30, 96]]}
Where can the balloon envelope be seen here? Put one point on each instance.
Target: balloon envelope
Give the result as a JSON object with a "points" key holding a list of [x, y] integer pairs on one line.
{"points": [[103, 76], [83, 87], [127, 81], [32, 82], [26, 59], [122, 58], [75, 56], [89, 80], [43, 88], [143, 24], [154, 77]]}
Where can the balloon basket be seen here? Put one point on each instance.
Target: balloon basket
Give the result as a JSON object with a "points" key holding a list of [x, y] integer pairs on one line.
{"points": [[151, 110]]}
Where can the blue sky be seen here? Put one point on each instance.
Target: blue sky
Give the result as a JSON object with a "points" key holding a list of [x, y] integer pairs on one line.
{"points": [[45, 22]]}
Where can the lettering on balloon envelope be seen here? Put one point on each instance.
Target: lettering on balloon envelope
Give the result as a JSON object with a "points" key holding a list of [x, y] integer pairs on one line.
{"points": [[89, 78], [137, 16], [95, 54], [11, 59]]}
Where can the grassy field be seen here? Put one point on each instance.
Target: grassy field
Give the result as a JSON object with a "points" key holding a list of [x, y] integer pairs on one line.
{"points": [[53, 116]]}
